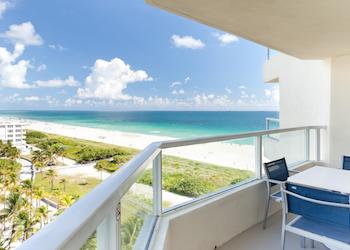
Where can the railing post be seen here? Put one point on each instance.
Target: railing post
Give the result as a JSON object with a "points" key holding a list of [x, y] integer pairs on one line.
{"points": [[108, 235], [307, 144], [318, 144], [258, 156], [157, 185]]}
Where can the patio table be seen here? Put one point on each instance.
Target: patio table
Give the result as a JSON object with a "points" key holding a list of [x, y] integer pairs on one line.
{"points": [[330, 179]]}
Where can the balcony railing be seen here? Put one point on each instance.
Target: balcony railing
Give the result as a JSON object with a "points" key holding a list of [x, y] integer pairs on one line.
{"points": [[271, 123], [97, 216]]}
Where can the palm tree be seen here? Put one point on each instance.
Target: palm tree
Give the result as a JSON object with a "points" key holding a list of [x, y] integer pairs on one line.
{"points": [[12, 153], [38, 194], [63, 181], [100, 166], [43, 215], [39, 159], [51, 174], [67, 200], [58, 150], [27, 187], [14, 203], [26, 223]]}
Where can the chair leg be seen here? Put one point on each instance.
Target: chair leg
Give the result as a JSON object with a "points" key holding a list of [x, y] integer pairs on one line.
{"points": [[303, 242], [283, 239], [267, 206], [312, 244]]}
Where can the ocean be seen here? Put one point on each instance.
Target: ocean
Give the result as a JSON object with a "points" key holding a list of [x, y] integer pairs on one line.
{"points": [[179, 124]]}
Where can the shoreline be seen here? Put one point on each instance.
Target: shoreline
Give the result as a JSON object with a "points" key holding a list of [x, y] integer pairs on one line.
{"points": [[220, 153]]}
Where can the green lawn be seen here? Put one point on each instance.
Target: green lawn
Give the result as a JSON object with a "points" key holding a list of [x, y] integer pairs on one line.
{"points": [[182, 176], [194, 178], [80, 150], [75, 186]]}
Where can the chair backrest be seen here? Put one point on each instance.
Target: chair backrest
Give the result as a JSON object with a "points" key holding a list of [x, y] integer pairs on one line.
{"points": [[277, 170], [346, 162], [315, 211]]}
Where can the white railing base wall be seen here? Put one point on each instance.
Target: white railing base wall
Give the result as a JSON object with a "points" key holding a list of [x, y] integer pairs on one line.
{"points": [[99, 209], [217, 219]]}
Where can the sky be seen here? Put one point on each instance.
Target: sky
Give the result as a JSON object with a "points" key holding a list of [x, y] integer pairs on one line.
{"points": [[123, 55]]}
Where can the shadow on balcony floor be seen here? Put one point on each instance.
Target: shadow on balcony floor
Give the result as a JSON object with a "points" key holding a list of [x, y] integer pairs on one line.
{"points": [[269, 239]]}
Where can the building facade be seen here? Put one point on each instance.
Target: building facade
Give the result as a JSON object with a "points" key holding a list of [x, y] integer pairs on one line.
{"points": [[12, 131]]}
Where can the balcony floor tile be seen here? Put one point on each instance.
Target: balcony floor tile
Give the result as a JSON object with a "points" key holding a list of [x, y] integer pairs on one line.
{"points": [[269, 239]]}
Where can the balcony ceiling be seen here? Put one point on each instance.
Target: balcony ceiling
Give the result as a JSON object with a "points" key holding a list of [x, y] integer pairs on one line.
{"points": [[311, 29]]}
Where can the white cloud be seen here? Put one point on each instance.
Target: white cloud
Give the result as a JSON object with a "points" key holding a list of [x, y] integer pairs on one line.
{"points": [[57, 83], [108, 80], [272, 95], [212, 100], [4, 6], [178, 92], [12, 72], [23, 33], [72, 102], [187, 42], [32, 98], [226, 38], [41, 67], [57, 46], [176, 83], [228, 90], [242, 87], [244, 94]]}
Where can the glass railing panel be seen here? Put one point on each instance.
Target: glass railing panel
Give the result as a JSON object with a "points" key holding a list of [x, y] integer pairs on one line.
{"points": [[91, 243], [313, 145], [291, 145], [137, 211], [189, 172]]}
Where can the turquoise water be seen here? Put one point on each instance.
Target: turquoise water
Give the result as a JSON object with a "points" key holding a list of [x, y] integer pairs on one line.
{"points": [[180, 124]]}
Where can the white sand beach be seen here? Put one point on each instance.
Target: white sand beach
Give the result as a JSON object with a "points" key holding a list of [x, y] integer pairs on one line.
{"points": [[220, 153]]}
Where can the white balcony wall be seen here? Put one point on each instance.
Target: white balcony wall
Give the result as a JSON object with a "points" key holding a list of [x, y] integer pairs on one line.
{"points": [[304, 87], [339, 126], [212, 223], [315, 92]]}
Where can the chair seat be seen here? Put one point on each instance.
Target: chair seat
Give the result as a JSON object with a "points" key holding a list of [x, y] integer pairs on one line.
{"points": [[277, 196], [325, 230]]}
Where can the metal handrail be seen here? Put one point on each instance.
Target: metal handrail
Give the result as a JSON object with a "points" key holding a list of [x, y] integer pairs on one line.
{"points": [[209, 139], [76, 224]]}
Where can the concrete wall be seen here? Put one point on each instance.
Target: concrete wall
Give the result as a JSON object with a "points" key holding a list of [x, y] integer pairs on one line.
{"points": [[209, 224], [304, 87], [315, 93], [339, 127]]}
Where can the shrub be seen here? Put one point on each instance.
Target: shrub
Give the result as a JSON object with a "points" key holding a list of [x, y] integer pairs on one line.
{"points": [[34, 137], [106, 165], [181, 183]]}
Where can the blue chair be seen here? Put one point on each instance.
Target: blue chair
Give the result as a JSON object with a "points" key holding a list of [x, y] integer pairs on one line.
{"points": [[346, 162], [322, 216], [276, 172]]}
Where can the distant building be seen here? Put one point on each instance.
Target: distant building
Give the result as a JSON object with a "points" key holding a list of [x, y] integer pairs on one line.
{"points": [[13, 131]]}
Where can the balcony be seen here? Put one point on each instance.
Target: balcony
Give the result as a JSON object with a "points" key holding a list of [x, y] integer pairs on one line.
{"points": [[223, 218]]}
